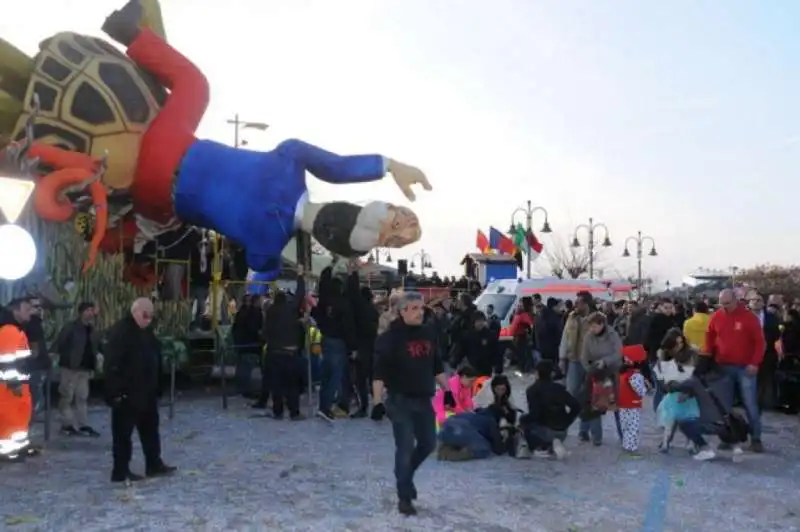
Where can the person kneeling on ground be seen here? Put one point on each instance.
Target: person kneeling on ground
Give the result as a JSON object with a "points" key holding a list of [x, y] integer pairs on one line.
{"points": [[497, 398], [471, 435], [708, 385], [551, 411], [460, 385]]}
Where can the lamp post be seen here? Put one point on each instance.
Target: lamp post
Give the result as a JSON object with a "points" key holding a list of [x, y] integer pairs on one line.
{"points": [[424, 261], [640, 240], [591, 228], [239, 124], [528, 211], [375, 256]]}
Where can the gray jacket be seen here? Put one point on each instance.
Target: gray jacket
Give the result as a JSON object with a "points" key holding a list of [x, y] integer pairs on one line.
{"points": [[720, 386], [71, 343], [606, 347]]}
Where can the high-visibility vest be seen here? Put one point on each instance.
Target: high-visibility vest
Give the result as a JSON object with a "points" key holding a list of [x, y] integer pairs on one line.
{"points": [[14, 353]]}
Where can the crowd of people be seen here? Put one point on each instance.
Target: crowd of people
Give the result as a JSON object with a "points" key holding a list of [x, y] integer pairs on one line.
{"points": [[439, 370]]}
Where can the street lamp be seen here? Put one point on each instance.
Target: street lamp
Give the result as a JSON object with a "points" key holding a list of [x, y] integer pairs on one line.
{"points": [[591, 227], [16, 187], [375, 256], [529, 211], [640, 240], [241, 124], [424, 261]]}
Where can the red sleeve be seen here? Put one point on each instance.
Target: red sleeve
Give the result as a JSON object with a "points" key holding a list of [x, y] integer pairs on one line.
{"points": [[711, 335], [515, 324], [759, 342]]}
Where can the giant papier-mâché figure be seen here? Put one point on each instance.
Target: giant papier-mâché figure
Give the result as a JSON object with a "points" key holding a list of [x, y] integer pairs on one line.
{"points": [[257, 199]]}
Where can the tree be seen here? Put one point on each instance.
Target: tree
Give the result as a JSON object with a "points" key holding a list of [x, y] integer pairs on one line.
{"points": [[567, 262], [772, 279]]}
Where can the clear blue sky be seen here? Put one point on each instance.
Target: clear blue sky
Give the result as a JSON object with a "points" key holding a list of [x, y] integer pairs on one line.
{"points": [[678, 118]]}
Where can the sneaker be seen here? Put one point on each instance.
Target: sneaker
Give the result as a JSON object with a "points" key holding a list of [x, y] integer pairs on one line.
{"points": [[705, 455], [89, 431], [327, 415], [406, 507], [68, 430], [340, 413], [756, 446], [559, 450], [277, 415], [541, 453], [359, 414], [597, 443], [738, 454]]}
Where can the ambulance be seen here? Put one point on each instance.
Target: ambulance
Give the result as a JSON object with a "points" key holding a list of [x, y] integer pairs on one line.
{"points": [[504, 295]]}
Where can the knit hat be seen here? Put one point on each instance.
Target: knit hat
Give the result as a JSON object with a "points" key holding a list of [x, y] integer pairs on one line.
{"points": [[634, 353]]}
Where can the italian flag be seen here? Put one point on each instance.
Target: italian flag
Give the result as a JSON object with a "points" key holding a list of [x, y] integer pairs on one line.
{"points": [[527, 242]]}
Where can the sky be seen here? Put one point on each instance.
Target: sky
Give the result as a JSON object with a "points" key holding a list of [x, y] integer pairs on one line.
{"points": [[678, 119]]}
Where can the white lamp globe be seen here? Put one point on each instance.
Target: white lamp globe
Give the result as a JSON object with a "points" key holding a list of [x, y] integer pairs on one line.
{"points": [[17, 252]]}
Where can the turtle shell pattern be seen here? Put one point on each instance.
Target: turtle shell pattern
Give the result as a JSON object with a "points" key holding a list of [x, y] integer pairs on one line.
{"points": [[92, 99]]}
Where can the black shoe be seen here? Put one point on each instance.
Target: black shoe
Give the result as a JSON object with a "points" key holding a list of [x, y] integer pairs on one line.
{"points": [[89, 431], [724, 446], [297, 417], [597, 443], [327, 415], [756, 446], [359, 414], [583, 436], [413, 493], [69, 430], [126, 477], [161, 470], [406, 508], [277, 415], [123, 25]]}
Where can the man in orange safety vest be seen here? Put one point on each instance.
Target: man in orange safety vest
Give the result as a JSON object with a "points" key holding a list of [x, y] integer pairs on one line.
{"points": [[15, 395]]}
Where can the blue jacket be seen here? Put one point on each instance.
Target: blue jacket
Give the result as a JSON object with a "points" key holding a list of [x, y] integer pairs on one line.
{"points": [[252, 197]]}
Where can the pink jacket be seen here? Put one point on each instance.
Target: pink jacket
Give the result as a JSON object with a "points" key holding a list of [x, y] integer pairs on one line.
{"points": [[462, 395]]}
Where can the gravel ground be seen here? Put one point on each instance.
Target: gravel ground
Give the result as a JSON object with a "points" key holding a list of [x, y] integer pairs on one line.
{"points": [[244, 473]]}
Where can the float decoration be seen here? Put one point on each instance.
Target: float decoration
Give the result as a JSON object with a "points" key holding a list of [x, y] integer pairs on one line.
{"points": [[97, 99]]}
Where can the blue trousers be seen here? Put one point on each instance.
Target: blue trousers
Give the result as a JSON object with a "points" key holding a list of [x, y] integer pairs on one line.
{"points": [[746, 385], [459, 432], [414, 429], [334, 374]]}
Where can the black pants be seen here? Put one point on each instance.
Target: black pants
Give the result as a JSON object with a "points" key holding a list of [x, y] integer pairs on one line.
{"points": [[414, 428], [283, 381], [767, 393], [362, 373], [144, 418], [266, 379]]}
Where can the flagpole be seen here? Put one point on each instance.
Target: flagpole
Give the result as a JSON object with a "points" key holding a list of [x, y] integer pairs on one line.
{"points": [[528, 210]]}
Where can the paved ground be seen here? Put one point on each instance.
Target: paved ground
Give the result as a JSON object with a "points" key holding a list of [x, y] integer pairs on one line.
{"points": [[240, 473]]}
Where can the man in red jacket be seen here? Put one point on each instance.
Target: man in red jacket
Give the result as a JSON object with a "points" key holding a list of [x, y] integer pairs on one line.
{"points": [[736, 340]]}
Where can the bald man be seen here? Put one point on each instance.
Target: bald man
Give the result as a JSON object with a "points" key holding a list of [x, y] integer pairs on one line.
{"points": [[735, 338], [133, 367]]}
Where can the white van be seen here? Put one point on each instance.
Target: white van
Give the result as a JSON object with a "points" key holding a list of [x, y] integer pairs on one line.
{"points": [[504, 295]]}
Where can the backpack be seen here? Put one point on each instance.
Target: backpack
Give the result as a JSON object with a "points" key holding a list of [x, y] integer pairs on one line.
{"points": [[733, 428]]}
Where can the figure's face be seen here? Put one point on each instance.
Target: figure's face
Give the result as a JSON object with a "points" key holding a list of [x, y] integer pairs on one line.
{"points": [[400, 228]]}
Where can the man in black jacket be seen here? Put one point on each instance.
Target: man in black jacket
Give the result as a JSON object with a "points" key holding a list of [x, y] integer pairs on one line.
{"points": [[406, 363], [551, 411], [246, 332], [132, 388], [479, 346], [334, 317], [282, 334], [366, 321], [548, 329]]}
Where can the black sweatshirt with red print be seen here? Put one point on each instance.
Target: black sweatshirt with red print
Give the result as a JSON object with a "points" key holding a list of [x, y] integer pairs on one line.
{"points": [[407, 358]]}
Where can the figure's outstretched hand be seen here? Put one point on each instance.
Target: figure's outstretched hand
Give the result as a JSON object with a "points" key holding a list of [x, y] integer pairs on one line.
{"points": [[405, 176]]}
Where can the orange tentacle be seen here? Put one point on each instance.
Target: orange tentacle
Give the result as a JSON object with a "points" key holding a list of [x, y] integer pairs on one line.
{"points": [[49, 206], [60, 158]]}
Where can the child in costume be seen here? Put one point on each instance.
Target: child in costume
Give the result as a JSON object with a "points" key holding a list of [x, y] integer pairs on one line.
{"points": [[675, 364], [632, 388]]}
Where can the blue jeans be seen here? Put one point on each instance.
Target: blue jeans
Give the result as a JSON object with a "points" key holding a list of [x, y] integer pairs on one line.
{"points": [[576, 384], [692, 429], [334, 373], [414, 429], [746, 384], [459, 432]]}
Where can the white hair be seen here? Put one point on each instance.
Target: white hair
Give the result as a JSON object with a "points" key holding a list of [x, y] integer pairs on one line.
{"points": [[141, 303], [366, 233]]}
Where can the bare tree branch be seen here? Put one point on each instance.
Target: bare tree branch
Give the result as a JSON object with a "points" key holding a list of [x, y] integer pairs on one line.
{"points": [[566, 262]]}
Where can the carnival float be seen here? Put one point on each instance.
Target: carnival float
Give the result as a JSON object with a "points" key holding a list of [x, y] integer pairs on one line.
{"points": [[102, 178]]}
